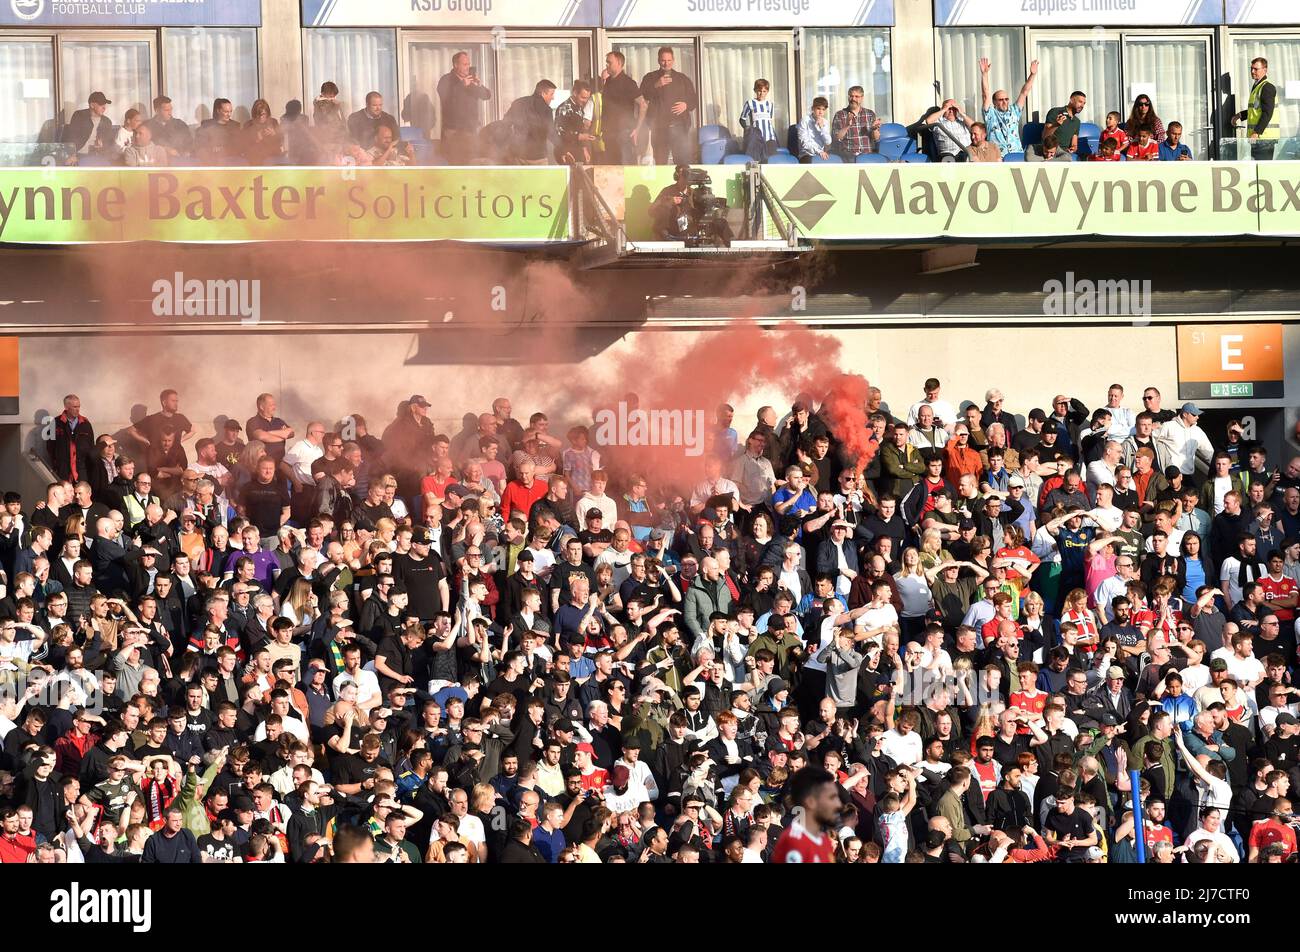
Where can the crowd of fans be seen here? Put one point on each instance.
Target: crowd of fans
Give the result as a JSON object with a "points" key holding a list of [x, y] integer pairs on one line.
{"points": [[500, 645], [614, 119]]}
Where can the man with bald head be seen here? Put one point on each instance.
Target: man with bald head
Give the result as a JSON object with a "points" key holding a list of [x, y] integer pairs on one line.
{"points": [[1001, 115]]}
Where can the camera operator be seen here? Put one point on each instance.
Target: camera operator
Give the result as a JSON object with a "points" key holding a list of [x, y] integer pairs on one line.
{"points": [[670, 210], [688, 210]]}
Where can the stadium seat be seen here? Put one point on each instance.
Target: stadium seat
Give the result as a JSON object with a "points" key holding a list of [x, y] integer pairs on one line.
{"points": [[412, 134], [892, 130], [919, 157], [792, 139], [783, 158], [895, 149], [871, 158], [91, 161], [831, 159], [424, 151], [713, 151], [711, 133], [1032, 133], [1089, 139], [1014, 157], [735, 158]]}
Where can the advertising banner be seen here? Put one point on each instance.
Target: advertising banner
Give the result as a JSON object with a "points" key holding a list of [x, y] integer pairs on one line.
{"points": [[72, 13], [484, 14], [690, 14], [492, 205], [1078, 12], [1022, 200]]}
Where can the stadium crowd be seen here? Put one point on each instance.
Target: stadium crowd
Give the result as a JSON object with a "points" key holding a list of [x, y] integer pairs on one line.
{"points": [[615, 119], [502, 645]]}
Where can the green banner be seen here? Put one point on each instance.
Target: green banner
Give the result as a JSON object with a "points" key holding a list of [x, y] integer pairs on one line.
{"points": [[492, 205], [902, 201]]}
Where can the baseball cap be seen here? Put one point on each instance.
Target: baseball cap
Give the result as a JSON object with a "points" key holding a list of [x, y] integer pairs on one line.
{"points": [[586, 748], [1218, 664], [99, 99], [620, 775], [1285, 718], [1114, 671], [419, 536], [841, 524], [1109, 720], [1095, 853], [965, 524], [460, 489], [418, 400], [1014, 481], [1191, 408], [232, 424], [776, 686]]}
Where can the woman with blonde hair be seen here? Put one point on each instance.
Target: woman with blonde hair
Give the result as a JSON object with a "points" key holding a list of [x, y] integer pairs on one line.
{"points": [[301, 606], [932, 551], [914, 589], [251, 455]]}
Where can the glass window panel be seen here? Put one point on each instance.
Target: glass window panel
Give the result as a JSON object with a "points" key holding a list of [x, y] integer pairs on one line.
{"points": [[201, 64], [26, 94], [835, 60], [960, 51], [427, 61], [730, 69], [121, 69], [357, 61], [1087, 63], [1178, 70], [521, 65]]}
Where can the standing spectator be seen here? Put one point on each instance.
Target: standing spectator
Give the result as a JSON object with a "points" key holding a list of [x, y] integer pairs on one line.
{"points": [[1001, 115], [1183, 441], [1260, 116], [89, 130], [532, 126], [460, 93], [815, 132], [1063, 122], [856, 130], [757, 119], [616, 113], [573, 126], [169, 132], [364, 123], [72, 446], [669, 98]]}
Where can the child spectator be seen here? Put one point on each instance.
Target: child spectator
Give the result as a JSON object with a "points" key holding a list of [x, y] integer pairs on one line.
{"points": [[757, 119]]}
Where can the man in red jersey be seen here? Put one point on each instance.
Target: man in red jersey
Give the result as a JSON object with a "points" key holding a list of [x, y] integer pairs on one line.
{"points": [[806, 839]]}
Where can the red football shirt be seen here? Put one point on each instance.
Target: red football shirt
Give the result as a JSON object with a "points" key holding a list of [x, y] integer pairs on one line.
{"points": [[1273, 588], [797, 845]]}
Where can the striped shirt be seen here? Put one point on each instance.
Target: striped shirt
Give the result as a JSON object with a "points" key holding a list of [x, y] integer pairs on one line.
{"points": [[759, 113]]}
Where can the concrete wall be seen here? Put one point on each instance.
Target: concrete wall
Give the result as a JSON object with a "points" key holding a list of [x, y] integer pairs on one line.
{"points": [[281, 54], [912, 52]]}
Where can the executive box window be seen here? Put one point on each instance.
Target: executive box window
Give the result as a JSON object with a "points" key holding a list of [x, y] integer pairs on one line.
{"points": [[26, 95], [832, 61], [202, 63], [1283, 54], [357, 61], [960, 51]]}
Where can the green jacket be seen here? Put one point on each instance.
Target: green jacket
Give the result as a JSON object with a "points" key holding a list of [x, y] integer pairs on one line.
{"points": [[780, 648], [951, 808], [196, 817], [903, 467], [1166, 761]]}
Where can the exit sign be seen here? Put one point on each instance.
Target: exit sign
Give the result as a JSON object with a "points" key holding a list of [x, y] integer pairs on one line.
{"points": [[1232, 390], [1230, 362]]}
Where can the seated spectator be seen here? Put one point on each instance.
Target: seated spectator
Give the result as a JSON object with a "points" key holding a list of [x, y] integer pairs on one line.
{"points": [[980, 149], [1144, 149], [143, 151], [951, 131], [89, 131], [814, 132], [262, 139], [1108, 151], [855, 129], [1173, 149], [327, 114], [757, 119], [389, 150], [364, 123], [1142, 117], [573, 126], [1049, 150], [126, 133], [1063, 122], [219, 138], [172, 134]]}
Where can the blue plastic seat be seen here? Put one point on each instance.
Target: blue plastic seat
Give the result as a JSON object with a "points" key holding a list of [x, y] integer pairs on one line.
{"points": [[712, 132], [892, 130], [1014, 157], [1032, 133], [782, 158], [919, 157], [412, 134], [895, 149], [736, 158], [871, 158], [831, 159]]}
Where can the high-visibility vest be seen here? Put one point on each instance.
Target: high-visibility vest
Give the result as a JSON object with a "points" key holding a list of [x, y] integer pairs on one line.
{"points": [[597, 123], [1253, 114]]}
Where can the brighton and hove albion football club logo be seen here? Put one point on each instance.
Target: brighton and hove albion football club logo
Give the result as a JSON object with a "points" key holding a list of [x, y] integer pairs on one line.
{"points": [[27, 9]]}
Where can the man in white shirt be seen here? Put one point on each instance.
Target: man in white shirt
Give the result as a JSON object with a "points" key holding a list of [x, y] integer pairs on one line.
{"points": [[1122, 419], [368, 692], [713, 484], [1102, 472], [595, 498], [944, 414], [903, 743], [1183, 441], [305, 452]]}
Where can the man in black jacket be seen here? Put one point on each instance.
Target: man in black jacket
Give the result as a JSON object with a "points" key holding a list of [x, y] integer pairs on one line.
{"points": [[1008, 808], [72, 447], [364, 123], [173, 843], [519, 848], [89, 130], [532, 125]]}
